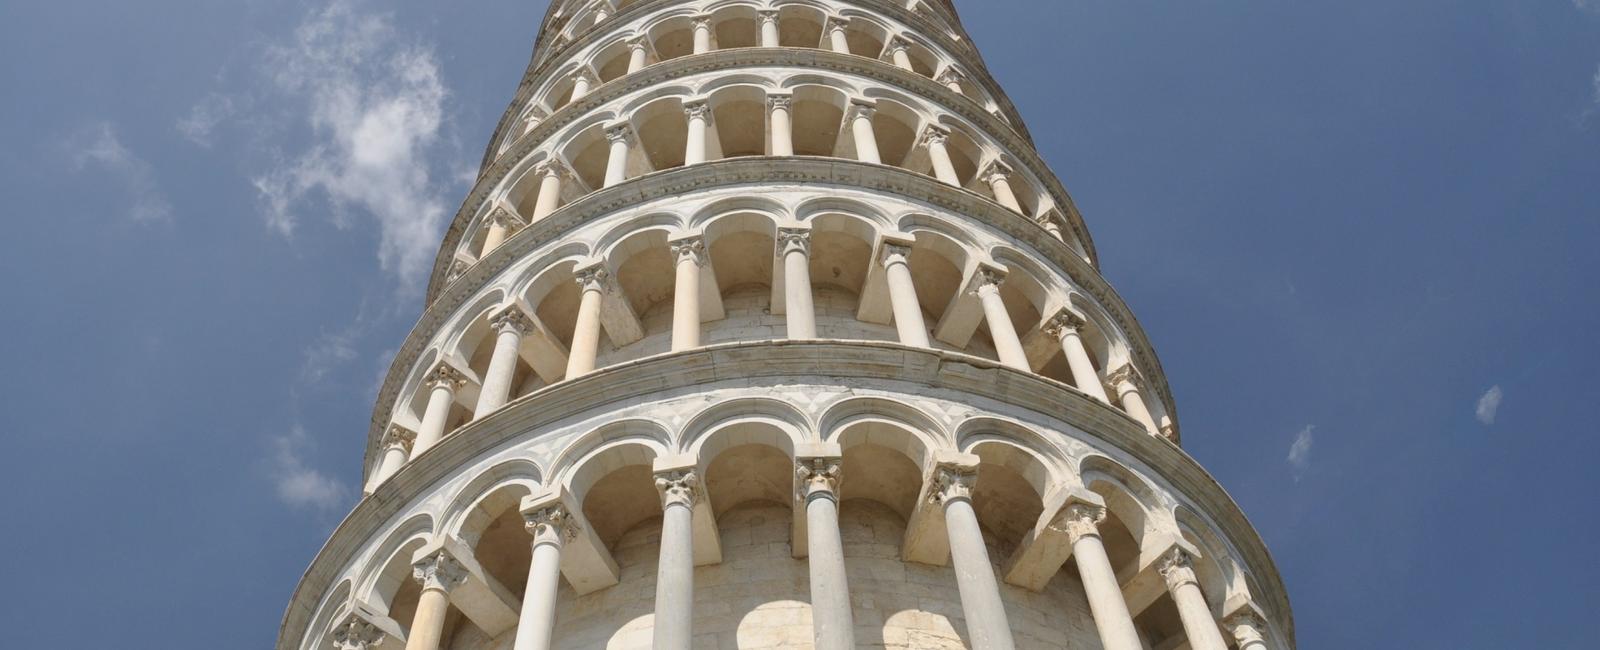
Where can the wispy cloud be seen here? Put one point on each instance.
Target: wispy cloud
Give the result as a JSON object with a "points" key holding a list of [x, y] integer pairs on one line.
{"points": [[1300, 451], [203, 119], [1489, 404], [1587, 5], [298, 485], [96, 146], [374, 102]]}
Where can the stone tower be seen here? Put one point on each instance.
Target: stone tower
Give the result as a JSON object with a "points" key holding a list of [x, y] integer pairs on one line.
{"points": [[764, 326]]}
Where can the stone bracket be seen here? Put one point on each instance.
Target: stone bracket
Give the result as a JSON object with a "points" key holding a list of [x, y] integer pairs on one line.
{"points": [[707, 538], [1142, 583], [876, 306], [481, 598], [927, 541], [586, 563], [1045, 548]]}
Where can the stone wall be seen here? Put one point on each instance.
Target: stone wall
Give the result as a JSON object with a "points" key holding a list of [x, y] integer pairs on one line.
{"points": [[759, 596]]}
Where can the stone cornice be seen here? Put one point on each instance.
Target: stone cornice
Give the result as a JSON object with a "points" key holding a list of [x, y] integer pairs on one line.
{"points": [[764, 171], [494, 173], [759, 363], [541, 61]]}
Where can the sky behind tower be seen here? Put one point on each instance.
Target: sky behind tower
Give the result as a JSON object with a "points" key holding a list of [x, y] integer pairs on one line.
{"points": [[1360, 234]]}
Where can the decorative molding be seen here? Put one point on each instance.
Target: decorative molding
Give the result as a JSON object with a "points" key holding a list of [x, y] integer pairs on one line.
{"points": [[552, 524], [399, 436], [1079, 520], [678, 487], [1177, 569], [793, 239], [439, 571], [818, 476]]}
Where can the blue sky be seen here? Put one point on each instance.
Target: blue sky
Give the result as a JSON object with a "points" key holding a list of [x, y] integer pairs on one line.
{"points": [[1361, 234]]}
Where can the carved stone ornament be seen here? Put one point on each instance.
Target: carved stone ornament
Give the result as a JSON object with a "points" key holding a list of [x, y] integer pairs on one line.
{"points": [[780, 101], [767, 15], [794, 239], [1177, 569], [860, 109], [356, 633], [996, 171], [399, 436], [439, 571], [678, 487], [950, 75], [619, 133], [896, 253], [444, 376], [458, 268], [552, 167], [697, 109], [551, 525], [1062, 323], [839, 23], [1124, 379], [1246, 628], [690, 248], [511, 319], [951, 481], [987, 278], [503, 218], [1079, 520], [935, 135], [817, 476], [593, 278]]}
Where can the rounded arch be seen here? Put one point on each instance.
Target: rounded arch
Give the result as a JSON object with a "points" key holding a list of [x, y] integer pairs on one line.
{"points": [[389, 566], [1216, 568], [613, 445], [328, 613], [1129, 497], [700, 435], [470, 325], [488, 495], [610, 474]]}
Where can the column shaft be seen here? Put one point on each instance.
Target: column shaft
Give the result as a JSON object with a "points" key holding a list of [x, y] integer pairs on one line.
{"points": [[801, 316], [769, 29], [580, 87], [636, 59], [902, 59], [1111, 618], [694, 149], [686, 303], [586, 333], [903, 298], [838, 40], [502, 369], [1002, 192], [675, 578], [1001, 330], [980, 593], [427, 626], [782, 129], [865, 138], [549, 195], [702, 35], [943, 168], [394, 457], [1198, 625], [538, 620], [617, 161], [1133, 404], [1083, 374], [434, 418], [492, 239], [833, 623]]}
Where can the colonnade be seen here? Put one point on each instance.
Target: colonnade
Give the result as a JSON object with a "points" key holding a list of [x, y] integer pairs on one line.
{"points": [[944, 520]]}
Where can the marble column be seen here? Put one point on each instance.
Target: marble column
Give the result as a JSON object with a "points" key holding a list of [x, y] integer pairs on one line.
{"points": [[782, 124], [952, 78], [355, 633], [794, 248], [1248, 630], [550, 173], [699, 115], [900, 53], [442, 383], [619, 135], [937, 138], [838, 38], [702, 34], [903, 295], [509, 326], [1081, 523], [674, 630], [600, 15], [769, 27], [397, 443], [998, 176], [832, 623], [690, 253], [980, 592], [1198, 625], [500, 222], [638, 53], [859, 116], [586, 333], [1125, 383], [1001, 329], [552, 528], [1050, 222], [438, 574], [582, 81], [1067, 328]]}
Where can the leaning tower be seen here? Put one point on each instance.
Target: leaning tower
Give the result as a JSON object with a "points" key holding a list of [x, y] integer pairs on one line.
{"points": [[765, 326]]}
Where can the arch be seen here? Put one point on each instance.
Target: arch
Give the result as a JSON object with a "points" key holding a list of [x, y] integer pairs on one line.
{"points": [[333, 605], [389, 566], [699, 435], [488, 495], [894, 424], [1127, 496], [1217, 569], [624, 442]]}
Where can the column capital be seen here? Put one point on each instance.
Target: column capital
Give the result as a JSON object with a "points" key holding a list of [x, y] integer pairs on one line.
{"points": [[952, 480], [988, 277], [503, 217], [700, 20], [688, 247], [1124, 379], [356, 633], [895, 250], [638, 42], [767, 16], [550, 523], [1247, 627], [1177, 568], [697, 108], [583, 73], [996, 170], [619, 131], [443, 375], [950, 75], [399, 436], [552, 167], [1065, 321], [934, 134], [458, 268], [793, 239], [439, 570], [678, 486], [592, 277], [859, 108], [780, 100], [511, 318], [897, 43], [1079, 520], [836, 23], [818, 476]]}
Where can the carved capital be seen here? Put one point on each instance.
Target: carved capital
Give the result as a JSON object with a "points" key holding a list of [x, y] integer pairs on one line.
{"points": [[794, 239], [1177, 569], [398, 436], [1062, 323], [584, 74], [860, 109], [836, 23], [511, 319], [700, 21], [439, 571], [952, 481], [697, 109], [502, 217], [1079, 520], [934, 135], [767, 16], [444, 376], [987, 278], [897, 44], [1247, 628], [593, 278], [552, 167], [779, 101], [896, 253], [692, 248], [950, 75], [995, 172], [551, 525], [458, 268], [621, 132], [356, 633], [818, 476], [678, 487], [640, 42], [1124, 380]]}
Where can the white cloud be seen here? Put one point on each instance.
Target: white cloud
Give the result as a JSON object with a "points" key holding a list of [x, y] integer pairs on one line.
{"points": [[96, 145], [1300, 452], [375, 103], [300, 486], [203, 119], [1489, 404], [1587, 5]]}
